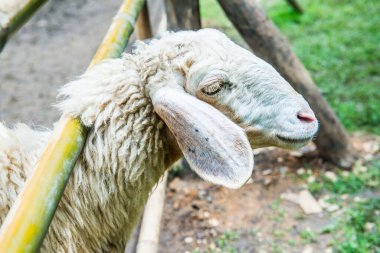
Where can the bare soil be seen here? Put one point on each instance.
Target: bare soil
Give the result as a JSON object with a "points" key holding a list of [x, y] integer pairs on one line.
{"points": [[201, 211], [197, 214]]}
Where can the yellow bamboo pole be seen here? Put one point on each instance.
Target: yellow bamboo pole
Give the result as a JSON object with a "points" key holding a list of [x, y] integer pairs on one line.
{"points": [[29, 218]]}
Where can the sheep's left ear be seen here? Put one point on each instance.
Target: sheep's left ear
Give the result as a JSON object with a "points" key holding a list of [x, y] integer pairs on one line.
{"points": [[215, 147]]}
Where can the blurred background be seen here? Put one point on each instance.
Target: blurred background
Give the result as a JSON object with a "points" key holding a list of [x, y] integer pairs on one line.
{"points": [[338, 41]]}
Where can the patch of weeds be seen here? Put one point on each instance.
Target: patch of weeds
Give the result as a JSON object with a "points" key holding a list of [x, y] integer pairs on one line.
{"points": [[316, 187], [291, 242], [350, 183], [299, 216], [225, 241], [304, 173], [279, 211], [307, 236], [253, 231], [358, 231], [334, 200], [328, 229], [278, 234], [276, 247], [276, 204], [361, 177]]}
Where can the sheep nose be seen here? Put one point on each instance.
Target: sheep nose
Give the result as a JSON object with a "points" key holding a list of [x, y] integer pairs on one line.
{"points": [[306, 117]]}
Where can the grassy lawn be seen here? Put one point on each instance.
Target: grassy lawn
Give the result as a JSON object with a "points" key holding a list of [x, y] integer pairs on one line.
{"points": [[339, 43]]}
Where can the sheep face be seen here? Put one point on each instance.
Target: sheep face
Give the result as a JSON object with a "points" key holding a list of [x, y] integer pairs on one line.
{"points": [[222, 101], [252, 93]]}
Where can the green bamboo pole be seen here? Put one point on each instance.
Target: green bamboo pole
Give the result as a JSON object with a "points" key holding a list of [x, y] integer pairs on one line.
{"points": [[13, 14], [29, 218]]}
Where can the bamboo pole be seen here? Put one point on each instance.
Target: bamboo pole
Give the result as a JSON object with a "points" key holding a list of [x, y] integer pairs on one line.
{"points": [[13, 14], [150, 226], [28, 220]]}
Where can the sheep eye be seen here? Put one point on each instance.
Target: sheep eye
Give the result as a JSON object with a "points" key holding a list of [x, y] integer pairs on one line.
{"points": [[212, 89]]}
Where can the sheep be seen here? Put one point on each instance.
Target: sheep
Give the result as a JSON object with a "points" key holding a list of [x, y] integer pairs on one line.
{"points": [[191, 93]]}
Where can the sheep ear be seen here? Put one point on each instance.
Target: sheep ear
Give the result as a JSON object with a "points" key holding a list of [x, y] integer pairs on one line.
{"points": [[215, 147]]}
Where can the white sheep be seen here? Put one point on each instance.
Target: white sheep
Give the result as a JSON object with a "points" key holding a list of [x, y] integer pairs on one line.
{"points": [[191, 93]]}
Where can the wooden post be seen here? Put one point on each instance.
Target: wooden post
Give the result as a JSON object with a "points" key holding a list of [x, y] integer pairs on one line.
{"points": [[267, 42], [143, 29], [183, 14]]}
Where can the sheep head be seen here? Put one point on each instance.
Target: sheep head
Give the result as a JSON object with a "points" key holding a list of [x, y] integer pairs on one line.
{"points": [[219, 101]]}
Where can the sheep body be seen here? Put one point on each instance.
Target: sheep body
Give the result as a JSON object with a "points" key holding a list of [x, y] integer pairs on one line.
{"points": [[203, 77]]}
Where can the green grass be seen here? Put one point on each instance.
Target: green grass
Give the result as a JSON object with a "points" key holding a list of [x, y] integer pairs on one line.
{"points": [[350, 182], [352, 233], [358, 229], [339, 43], [213, 16], [278, 210], [307, 236], [225, 242]]}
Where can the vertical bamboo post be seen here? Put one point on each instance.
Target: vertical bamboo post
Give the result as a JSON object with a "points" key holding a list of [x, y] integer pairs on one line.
{"points": [[151, 221], [29, 218]]}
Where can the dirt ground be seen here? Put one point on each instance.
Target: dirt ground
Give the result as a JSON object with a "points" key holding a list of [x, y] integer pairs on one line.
{"points": [[201, 211], [201, 217], [56, 46]]}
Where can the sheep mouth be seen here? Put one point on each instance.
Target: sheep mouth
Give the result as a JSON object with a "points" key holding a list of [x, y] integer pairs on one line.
{"points": [[293, 140]]}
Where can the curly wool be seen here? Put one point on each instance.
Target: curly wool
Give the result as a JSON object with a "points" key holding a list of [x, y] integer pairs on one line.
{"points": [[122, 160]]}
